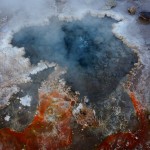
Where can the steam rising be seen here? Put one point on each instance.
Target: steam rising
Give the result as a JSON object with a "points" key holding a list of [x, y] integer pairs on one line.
{"points": [[96, 61], [66, 33]]}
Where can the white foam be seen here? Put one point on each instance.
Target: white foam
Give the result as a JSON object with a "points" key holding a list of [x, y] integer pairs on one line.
{"points": [[26, 100]]}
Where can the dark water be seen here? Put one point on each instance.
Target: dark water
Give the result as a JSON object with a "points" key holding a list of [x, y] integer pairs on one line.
{"points": [[96, 60]]}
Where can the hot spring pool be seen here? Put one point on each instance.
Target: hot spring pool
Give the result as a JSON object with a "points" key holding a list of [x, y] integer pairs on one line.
{"points": [[95, 59]]}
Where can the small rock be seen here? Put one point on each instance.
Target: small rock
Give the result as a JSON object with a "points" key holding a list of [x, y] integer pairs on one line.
{"points": [[111, 4], [132, 10], [86, 100], [145, 16]]}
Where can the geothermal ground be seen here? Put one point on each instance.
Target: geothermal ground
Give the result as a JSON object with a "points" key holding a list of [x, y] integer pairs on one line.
{"points": [[75, 75]]}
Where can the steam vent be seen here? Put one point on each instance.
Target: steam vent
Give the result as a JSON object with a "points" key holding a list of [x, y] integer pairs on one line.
{"points": [[74, 75]]}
